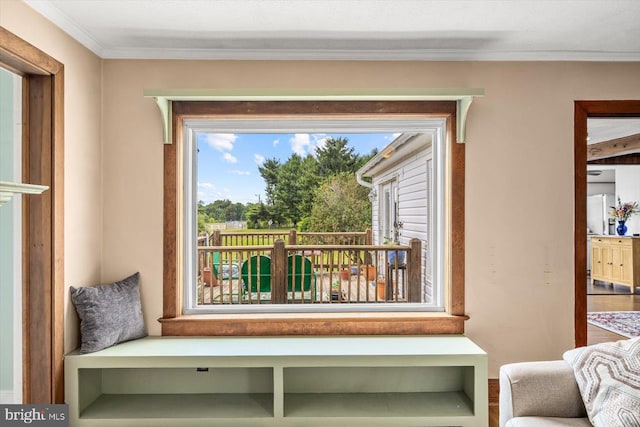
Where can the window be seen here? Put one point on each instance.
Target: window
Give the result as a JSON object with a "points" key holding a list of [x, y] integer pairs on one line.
{"points": [[194, 117], [43, 221], [388, 211]]}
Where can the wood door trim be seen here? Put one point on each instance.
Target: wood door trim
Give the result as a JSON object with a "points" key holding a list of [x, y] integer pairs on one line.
{"points": [[43, 218], [582, 111]]}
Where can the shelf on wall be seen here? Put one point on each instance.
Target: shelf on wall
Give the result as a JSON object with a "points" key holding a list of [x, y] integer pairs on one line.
{"points": [[9, 189]]}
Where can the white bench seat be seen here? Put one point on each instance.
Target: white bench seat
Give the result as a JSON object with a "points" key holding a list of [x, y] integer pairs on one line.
{"points": [[280, 381]]}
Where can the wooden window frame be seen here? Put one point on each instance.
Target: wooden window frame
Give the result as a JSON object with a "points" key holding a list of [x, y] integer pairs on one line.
{"points": [[175, 323], [42, 218]]}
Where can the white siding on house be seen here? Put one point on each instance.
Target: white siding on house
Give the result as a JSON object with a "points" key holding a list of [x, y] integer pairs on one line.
{"points": [[413, 177]]}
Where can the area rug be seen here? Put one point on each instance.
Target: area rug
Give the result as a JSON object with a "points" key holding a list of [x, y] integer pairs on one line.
{"points": [[625, 323]]}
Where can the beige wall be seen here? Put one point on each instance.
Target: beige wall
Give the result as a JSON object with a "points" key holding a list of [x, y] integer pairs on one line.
{"points": [[519, 224], [83, 148], [519, 270]]}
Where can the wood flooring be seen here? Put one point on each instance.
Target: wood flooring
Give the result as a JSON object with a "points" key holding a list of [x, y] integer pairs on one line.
{"points": [[618, 298]]}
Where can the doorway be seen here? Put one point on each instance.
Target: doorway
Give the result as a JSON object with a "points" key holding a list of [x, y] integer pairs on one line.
{"points": [[613, 174], [587, 163]]}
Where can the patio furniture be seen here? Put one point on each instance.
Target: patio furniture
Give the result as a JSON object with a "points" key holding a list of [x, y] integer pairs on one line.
{"points": [[230, 271], [396, 273], [256, 273], [299, 273], [211, 275]]}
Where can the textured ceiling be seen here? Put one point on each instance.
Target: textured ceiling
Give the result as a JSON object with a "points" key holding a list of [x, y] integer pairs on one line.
{"points": [[602, 30]]}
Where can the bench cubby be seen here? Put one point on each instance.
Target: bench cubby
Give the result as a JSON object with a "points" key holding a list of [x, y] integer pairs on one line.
{"points": [[275, 381]]}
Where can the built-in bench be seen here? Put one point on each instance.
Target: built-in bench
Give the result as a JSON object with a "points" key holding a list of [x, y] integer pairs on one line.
{"points": [[276, 381]]}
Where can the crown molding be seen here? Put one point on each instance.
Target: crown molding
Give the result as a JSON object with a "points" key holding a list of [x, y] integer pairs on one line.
{"points": [[397, 54], [53, 14]]}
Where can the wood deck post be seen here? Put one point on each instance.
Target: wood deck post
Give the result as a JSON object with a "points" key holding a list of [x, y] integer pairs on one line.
{"points": [[414, 271], [279, 273], [293, 237], [216, 238], [368, 238]]}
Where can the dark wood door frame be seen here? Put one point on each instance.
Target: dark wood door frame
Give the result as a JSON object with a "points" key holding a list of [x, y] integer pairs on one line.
{"points": [[582, 111], [43, 219]]}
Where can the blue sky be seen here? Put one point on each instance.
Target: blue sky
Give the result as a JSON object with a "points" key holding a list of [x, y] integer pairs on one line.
{"points": [[228, 163]]}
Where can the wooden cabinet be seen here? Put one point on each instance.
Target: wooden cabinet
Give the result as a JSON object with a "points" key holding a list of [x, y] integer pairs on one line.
{"points": [[279, 382], [616, 260]]}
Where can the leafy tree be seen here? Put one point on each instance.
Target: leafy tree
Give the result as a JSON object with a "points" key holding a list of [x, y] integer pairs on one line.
{"points": [[340, 204], [269, 172], [291, 187], [222, 210], [288, 192], [219, 211], [362, 159], [277, 215], [335, 157], [257, 215], [309, 181], [203, 220], [234, 212]]}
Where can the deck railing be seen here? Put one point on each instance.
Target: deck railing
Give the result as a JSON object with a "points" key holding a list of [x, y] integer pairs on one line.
{"points": [[309, 274], [291, 237]]}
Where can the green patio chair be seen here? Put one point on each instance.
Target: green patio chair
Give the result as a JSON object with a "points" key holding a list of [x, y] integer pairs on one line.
{"points": [[299, 273], [256, 273], [211, 273]]}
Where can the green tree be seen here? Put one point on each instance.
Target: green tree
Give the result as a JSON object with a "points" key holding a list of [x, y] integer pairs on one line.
{"points": [[277, 215], [269, 172], [257, 215], [288, 193], [309, 181], [335, 157], [203, 220], [291, 187], [340, 204], [222, 210], [362, 159]]}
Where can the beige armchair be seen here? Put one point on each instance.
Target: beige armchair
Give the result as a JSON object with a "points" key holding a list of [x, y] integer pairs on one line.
{"points": [[540, 394]]}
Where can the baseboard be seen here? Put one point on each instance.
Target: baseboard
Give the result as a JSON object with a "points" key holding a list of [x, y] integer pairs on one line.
{"points": [[494, 391]]}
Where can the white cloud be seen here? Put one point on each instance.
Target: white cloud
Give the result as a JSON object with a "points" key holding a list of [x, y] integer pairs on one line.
{"points": [[206, 185], [259, 158], [300, 143], [304, 143], [221, 141], [207, 192], [392, 136], [239, 172], [276, 142], [230, 158]]}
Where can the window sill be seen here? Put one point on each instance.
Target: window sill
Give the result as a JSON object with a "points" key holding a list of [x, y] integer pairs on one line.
{"points": [[272, 324]]}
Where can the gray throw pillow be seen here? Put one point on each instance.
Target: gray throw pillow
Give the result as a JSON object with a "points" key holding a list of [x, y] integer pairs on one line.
{"points": [[109, 314]]}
